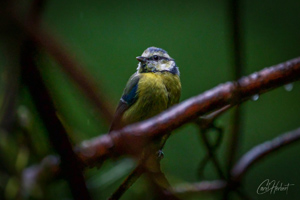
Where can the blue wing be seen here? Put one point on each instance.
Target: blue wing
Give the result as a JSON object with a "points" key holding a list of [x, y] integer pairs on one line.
{"points": [[128, 98]]}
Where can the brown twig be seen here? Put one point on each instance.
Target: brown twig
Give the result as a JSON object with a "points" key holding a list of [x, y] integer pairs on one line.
{"points": [[133, 176], [204, 186], [36, 175], [149, 163], [205, 122], [161, 191], [260, 151]]}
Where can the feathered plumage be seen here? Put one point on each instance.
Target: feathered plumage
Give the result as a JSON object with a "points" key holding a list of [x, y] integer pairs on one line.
{"points": [[152, 89]]}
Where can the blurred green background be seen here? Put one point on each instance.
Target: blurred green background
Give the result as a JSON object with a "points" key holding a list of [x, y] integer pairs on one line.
{"points": [[107, 36]]}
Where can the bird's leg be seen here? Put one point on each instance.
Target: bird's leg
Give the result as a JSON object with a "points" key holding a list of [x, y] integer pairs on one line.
{"points": [[160, 154], [150, 163]]}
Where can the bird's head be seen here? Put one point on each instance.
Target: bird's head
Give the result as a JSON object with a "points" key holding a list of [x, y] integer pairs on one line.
{"points": [[156, 60]]}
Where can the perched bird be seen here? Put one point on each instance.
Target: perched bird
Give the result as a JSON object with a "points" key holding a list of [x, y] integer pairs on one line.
{"points": [[153, 88]]}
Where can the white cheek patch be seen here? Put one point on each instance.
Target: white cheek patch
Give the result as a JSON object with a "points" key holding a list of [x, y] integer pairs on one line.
{"points": [[139, 66], [164, 67]]}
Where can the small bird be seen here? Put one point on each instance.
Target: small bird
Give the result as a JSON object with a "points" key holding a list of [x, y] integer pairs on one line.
{"points": [[153, 88]]}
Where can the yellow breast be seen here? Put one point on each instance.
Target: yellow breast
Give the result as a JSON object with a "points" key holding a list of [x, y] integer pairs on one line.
{"points": [[156, 92]]}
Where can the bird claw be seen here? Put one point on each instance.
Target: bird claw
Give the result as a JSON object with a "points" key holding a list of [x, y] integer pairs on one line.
{"points": [[160, 154]]}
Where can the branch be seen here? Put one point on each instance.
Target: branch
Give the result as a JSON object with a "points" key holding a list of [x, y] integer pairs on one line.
{"points": [[205, 123], [242, 166], [204, 186], [210, 155], [126, 184], [260, 151], [160, 189], [133, 137], [36, 175], [56, 132]]}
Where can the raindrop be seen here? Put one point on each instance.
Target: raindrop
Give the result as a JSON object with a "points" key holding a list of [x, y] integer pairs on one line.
{"points": [[289, 87], [254, 76], [255, 97]]}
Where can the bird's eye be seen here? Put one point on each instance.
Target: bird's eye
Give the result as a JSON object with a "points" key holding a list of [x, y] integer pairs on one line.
{"points": [[155, 57]]}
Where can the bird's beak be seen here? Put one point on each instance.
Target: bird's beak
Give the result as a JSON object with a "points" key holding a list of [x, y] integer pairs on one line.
{"points": [[141, 59]]}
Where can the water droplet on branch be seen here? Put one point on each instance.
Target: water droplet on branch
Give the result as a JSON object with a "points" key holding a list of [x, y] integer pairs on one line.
{"points": [[255, 97], [289, 87]]}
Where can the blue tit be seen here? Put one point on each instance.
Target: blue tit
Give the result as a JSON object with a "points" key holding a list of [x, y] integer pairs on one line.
{"points": [[153, 88]]}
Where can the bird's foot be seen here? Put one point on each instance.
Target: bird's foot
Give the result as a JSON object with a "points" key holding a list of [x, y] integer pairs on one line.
{"points": [[160, 154]]}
